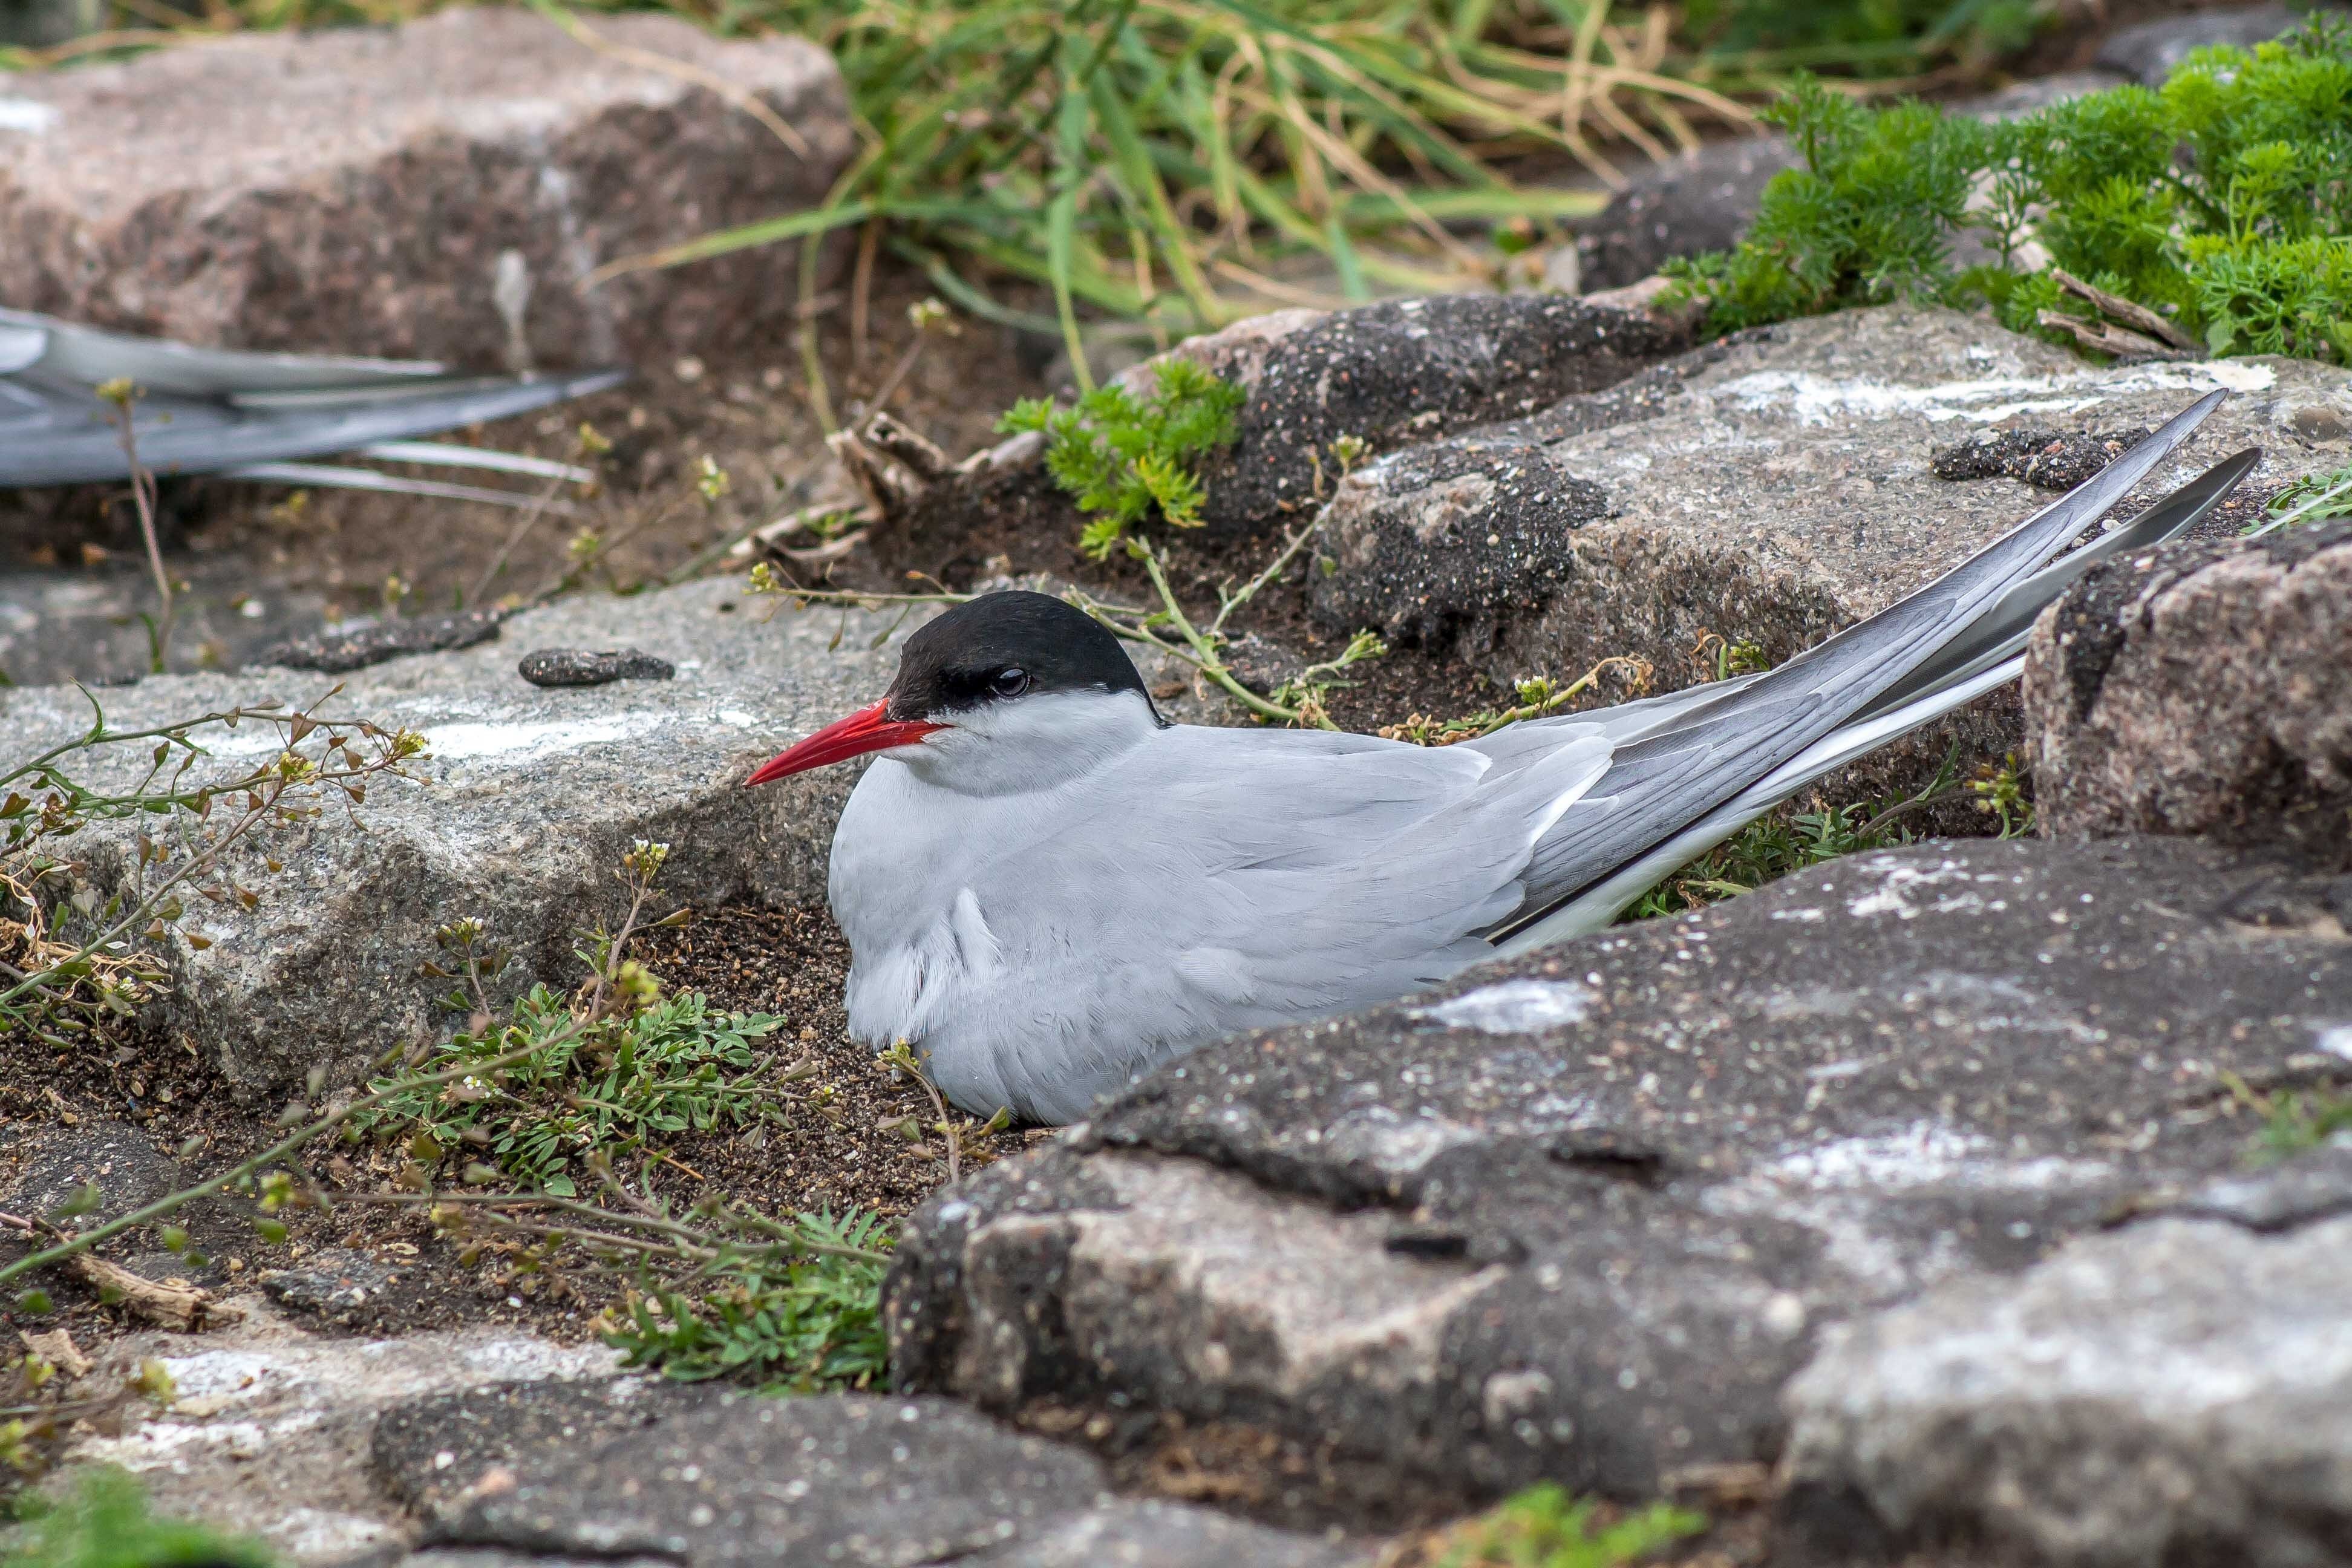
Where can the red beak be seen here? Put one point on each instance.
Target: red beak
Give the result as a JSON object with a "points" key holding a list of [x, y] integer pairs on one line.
{"points": [[868, 729]]}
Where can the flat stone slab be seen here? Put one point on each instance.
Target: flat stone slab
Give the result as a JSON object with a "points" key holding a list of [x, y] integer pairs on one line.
{"points": [[1580, 1215], [1775, 487], [438, 190], [269, 1430], [850, 1479], [2207, 688], [2180, 1389], [518, 813]]}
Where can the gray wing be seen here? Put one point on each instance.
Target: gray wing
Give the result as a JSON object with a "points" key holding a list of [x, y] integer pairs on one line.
{"points": [[213, 411], [1276, 876], [1677, 760]]}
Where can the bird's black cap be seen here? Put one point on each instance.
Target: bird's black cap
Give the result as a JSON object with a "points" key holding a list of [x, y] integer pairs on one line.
{"points": [[1002, 646]]}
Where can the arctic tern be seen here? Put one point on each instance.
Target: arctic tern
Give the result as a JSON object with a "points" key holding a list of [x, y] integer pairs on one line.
{"points": [[1048, 889]]}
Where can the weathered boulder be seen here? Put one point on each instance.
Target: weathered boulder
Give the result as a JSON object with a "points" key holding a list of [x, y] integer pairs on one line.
{"points": [[518, 813], [1775, 487], [2202, 689], [1389, 375], [1580, 1215], [437, 190], [2181, 1391], [835, 1478]]}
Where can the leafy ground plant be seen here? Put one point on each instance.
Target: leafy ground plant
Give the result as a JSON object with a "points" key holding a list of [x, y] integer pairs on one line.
{"points": [[1544, 1526], [106, 1523], [2207, 215]]}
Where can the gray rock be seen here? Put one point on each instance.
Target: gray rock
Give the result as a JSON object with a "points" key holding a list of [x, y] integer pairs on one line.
{"points": [[1775, 487], [430, 1454], [2204, 689], [2147, 51], [2046, 459], [1700, 202], [2178, 1392], [329, 1282], [1580, 1215], [52, 1165], [578, 666], [338, 652], [269, 1432], [1389, 375], [383, 191], [843, 1478], [519, 814]]}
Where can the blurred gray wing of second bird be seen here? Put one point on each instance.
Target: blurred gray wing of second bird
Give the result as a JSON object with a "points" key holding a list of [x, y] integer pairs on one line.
{"points": [[262, 416]]}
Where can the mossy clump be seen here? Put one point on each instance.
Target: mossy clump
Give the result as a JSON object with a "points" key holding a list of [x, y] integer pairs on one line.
{"points": [[2217, 201]]}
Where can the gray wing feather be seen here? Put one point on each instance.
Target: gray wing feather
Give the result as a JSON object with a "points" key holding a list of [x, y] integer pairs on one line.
{"points": [[1697, 756], [210, 410]]}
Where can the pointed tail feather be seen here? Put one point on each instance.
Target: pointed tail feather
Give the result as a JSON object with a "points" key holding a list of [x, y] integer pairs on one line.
{"points": [[1992, 656], [1700, 757]]}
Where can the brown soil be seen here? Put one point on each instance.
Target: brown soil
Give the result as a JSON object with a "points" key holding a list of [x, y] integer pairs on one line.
{"points": [[837, 1143]]}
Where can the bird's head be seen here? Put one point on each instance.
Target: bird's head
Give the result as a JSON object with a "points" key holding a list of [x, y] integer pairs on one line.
{"points": [[1009, 691]]}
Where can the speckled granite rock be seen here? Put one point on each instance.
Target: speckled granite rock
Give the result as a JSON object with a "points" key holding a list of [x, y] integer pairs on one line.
{"points": [[518, 813], [2203, 689], [439, 190], [1579, 1216]]}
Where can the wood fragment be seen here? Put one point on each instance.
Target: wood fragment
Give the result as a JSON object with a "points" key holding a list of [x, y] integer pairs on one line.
{"points": [[2109, 338], [2139, 317], [181, 1307], [57, 1347]]}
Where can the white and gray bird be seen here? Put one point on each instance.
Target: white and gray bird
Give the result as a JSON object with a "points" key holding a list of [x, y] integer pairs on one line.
{"points": [[1047, 889]]}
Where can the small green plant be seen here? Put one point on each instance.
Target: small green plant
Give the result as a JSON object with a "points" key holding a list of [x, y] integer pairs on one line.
{"points": [[2295, 1123], [2212, 210], [106, 1523], [2314, 498], [1122, 457], [1869, 215], [674, 1063], [1544, 1526], [1785, 841], [771, 1318], [2000, 793]]}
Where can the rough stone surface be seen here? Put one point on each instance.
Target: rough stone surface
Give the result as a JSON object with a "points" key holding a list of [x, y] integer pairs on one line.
{"points": [[843, 1479], [579, 666], [1389, 375], [519, 814], [338, 651], [2046, 459], [439, 190], [1775, 487], [2147, 52], [329, 1282], [2178, 1392], [2202, 689], [1580, 1215], [1702, 201], [270, 1427], [430, 1454]]}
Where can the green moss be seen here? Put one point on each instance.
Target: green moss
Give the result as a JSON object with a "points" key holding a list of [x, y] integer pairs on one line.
{"points": [[2218, 200], [1545, 1527]]}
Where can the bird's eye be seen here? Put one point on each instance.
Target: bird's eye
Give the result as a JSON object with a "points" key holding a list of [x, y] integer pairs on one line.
{"points": [[1009, 682]]}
